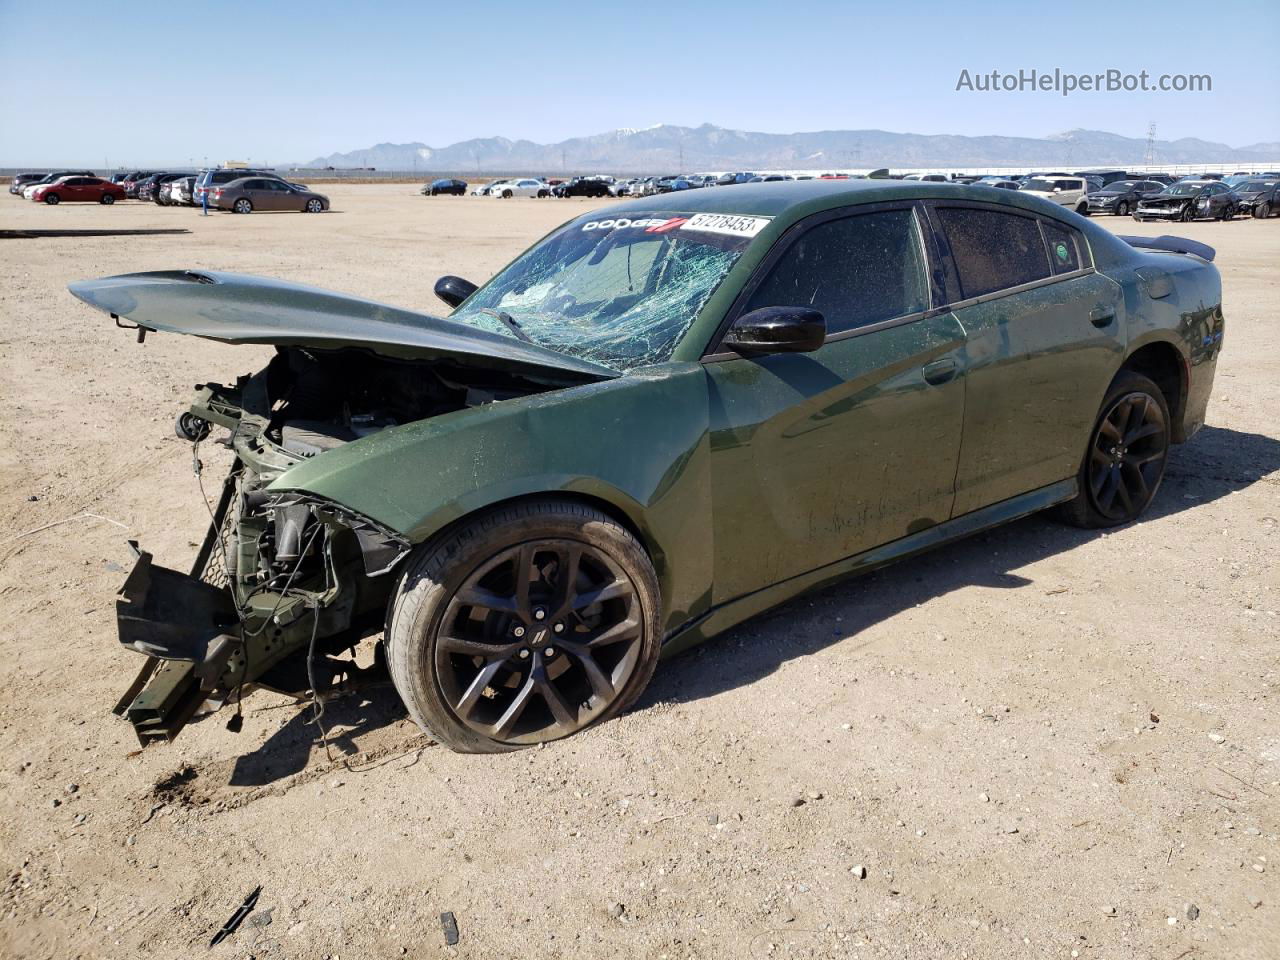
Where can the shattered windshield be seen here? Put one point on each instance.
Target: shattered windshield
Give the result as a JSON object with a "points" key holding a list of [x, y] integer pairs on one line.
{"points": [[618, 292]]}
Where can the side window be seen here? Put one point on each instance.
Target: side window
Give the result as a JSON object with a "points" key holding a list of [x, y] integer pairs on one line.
{"points": [[993, 250], [857, 271], [1064, 249]]}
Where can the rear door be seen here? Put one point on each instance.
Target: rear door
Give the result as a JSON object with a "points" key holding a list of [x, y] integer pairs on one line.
{"points": [[1044, 336], [819, 456]]}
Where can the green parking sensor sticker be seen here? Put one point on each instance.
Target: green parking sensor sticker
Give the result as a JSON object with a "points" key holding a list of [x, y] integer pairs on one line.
{"points": [[1061, 251]]}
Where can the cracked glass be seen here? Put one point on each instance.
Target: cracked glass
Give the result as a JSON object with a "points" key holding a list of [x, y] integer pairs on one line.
{"points": [[617, 292]]}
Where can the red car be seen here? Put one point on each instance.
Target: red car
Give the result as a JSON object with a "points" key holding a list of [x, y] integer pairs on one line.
{"points": [[79, 189]]}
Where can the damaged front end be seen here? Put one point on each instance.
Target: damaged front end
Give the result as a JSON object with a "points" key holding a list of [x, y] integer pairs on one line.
{"points": [[285, 576], [278, 577]]}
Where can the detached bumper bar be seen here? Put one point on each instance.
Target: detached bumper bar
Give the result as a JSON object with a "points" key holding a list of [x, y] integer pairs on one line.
{"points": [[188, 630]]}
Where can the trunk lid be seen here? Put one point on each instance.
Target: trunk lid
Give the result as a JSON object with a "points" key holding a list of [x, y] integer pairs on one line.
{"points": [[239, 308]]}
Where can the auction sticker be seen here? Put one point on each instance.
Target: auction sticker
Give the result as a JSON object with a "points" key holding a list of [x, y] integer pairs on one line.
{"points": [[726, 223]]}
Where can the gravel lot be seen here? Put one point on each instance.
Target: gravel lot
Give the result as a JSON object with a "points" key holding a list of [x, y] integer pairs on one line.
{"points": [[1038, 743]]}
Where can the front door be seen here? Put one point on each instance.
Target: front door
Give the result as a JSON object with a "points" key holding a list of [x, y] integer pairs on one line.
{"points": [[1044, 337], [819, 456]]}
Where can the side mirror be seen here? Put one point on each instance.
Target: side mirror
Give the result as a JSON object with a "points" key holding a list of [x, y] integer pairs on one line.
{"points": [[1057, 189], [453, 290], [777, 330]]}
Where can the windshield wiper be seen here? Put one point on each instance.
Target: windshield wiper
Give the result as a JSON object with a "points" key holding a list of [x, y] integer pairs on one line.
{"points": [[509, 322]]}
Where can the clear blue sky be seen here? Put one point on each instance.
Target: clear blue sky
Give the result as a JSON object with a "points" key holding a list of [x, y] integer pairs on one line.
{"points": [[166, 83]]}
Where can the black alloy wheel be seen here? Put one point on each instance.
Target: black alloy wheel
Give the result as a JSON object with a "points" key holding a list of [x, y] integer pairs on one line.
{"points": [[1262, 211], [538, 641], [523, 626], [1122, 209], [1188, 214], [1127, 453]]}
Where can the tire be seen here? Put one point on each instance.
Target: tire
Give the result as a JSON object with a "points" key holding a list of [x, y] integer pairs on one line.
{"points": [[1083, 209], [1125, 459], [506, 194], [513, 707], [1187, 214], [1122, 209], [107, 199], [542, 194], [243, 205], [314, 205], [1137, 219], [1262, 211], [52, 199], [1227, 213]]}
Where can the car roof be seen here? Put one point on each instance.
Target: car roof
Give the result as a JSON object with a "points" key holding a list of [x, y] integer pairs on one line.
{"points": [[792, 199]]}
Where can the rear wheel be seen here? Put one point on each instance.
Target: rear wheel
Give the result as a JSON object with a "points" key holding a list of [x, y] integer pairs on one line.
{"points": [[1125, 460], [243, 205], [526, 625]]}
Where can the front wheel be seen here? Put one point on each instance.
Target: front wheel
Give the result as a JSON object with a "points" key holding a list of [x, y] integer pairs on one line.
{"points": [[528, 624], [314, 205], [53, 199], [1122, 209], [1125, 460], [1187, 214], [242, 206], [1262, 211], [506, 194], [107, 199]]}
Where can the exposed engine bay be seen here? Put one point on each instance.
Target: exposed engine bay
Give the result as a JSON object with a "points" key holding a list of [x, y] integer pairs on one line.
{"points": [[281, 575]]}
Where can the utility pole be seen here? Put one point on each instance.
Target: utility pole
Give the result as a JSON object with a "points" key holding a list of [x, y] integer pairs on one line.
{"points": [[1151, 144]]}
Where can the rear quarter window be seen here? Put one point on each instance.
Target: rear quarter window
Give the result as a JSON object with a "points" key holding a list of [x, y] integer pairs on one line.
{"points": [[993, 250], [1064, 247]]}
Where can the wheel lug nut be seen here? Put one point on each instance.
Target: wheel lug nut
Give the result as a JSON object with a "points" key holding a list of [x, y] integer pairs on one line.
{"points": [[550, 651], [524, 654], [518, 631], [558, 628], [539, 614]]}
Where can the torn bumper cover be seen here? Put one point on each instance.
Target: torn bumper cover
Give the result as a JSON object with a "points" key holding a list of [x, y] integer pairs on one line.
{"points": [[284, 569]]}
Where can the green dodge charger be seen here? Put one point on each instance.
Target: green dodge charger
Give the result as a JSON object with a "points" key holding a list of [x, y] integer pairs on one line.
{"points": [[661, 419]]}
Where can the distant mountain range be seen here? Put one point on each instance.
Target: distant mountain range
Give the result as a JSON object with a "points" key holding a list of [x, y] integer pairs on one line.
{"points": [[665, 148]]}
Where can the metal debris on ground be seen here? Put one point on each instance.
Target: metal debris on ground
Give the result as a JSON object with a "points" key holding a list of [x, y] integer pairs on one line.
{"points": [[449, 924], [237, 918]]}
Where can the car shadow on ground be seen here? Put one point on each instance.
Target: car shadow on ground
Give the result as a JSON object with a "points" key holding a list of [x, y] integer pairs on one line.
{"points": [[350, 721], [1217, 462]]}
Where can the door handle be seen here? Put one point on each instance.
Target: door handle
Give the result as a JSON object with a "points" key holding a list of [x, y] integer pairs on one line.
{"points": [[940, 371], [1101, 316]]}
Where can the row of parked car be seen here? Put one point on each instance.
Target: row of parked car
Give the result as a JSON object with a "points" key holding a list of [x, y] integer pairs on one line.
{"points": [[1154, 196], [235, 189], [1144, 196]]}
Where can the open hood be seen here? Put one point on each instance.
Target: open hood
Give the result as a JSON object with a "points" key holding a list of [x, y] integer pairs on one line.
{"points": [[237, 308]]}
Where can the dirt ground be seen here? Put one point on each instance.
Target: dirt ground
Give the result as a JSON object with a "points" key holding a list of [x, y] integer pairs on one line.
{"points": [[1038, 743]]}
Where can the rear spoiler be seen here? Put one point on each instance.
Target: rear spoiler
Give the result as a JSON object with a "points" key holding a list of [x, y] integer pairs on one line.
{"points": [[1173, 245]]}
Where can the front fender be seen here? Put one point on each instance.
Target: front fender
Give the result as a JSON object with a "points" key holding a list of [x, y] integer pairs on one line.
{"points": [[638, 443]]}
